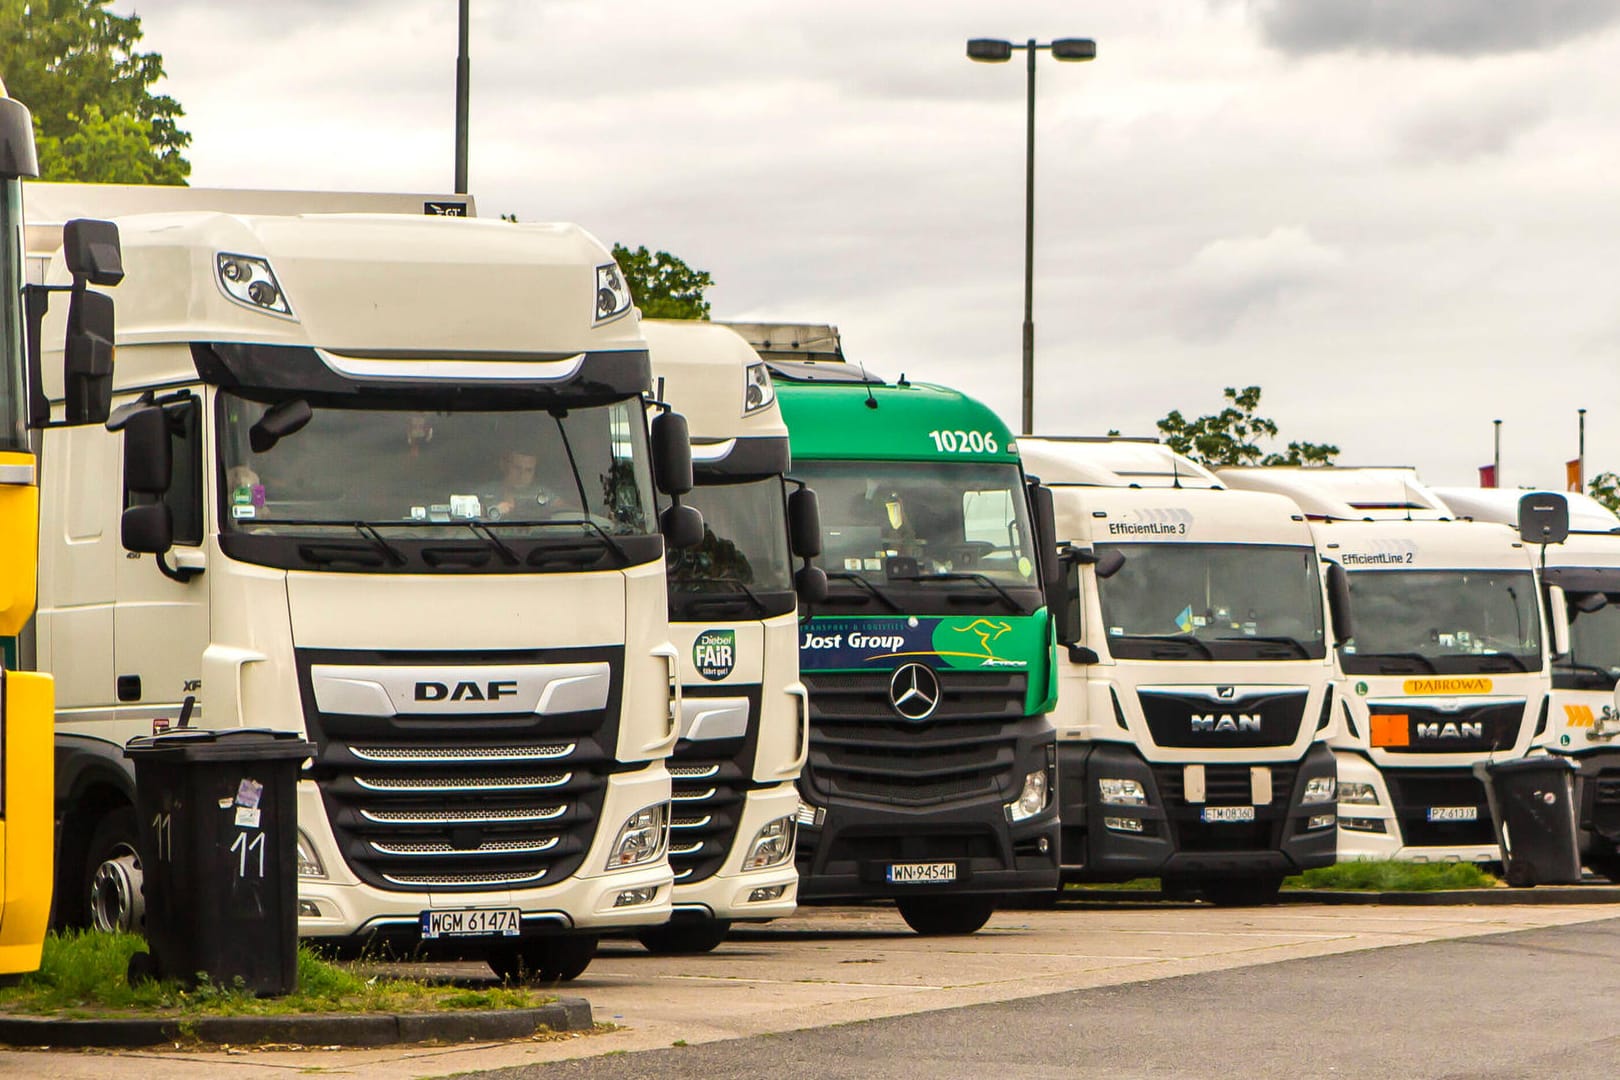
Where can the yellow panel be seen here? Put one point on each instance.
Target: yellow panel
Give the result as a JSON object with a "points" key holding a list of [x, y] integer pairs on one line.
{"points": [[28, 853], [19, 549]]}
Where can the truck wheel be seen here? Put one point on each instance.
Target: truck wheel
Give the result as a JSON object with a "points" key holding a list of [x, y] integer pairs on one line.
{"points": [[113, 900], [946, 915], [546, 960], [689, 937], [1241, 892]]}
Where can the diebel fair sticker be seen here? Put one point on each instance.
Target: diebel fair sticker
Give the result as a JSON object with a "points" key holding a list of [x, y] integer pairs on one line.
{"points": [[714, 654], [966, 642]]}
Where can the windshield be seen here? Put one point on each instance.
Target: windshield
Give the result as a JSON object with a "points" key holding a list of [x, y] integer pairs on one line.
{"points": [[889, 524], [13, 399], [1213, 602], [1453, 622], [529, 472], [744, 548], [1594, 643]]}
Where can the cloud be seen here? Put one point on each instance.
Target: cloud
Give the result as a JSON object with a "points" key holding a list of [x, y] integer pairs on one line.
{"points": [[1462, 130], [1232, 278], [1462, 28]]}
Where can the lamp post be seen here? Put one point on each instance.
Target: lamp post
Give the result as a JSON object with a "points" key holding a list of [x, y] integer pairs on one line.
{"points": [[463, 78], [994, 51]]}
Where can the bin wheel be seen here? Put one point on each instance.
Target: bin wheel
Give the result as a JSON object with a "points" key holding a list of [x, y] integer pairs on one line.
{"points": [[1241, 891], [688, 937], [1519, 876], [1606, 865], [544, 960], [142, 966], [1180, 889], [113, 900], [939, 916]]}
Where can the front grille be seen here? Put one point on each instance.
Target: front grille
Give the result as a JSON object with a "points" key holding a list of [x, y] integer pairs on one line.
{"points": [[1226, 785], [1605, 804], [1185, 719], [445, 802], [1414, 791], [1427, 730], [861, 749], [711, 778]]}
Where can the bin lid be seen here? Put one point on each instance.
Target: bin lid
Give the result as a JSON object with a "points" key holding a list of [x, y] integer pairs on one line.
{"points": [[1539, 763], [231, 744]]}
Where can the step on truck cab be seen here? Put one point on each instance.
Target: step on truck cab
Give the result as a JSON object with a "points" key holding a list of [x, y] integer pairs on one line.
{"points": [[734, 621], [932, 762], [385, 481], [1582, 578], [1441, 656], [1194, 686]]}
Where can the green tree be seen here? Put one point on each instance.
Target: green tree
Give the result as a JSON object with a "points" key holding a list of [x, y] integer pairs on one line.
{"points": [[1605, 488], [664, 287], [1232, 436], [74, 64]]}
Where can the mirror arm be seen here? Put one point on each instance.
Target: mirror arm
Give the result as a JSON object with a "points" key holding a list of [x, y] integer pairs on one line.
{"points": [[182, 574]]}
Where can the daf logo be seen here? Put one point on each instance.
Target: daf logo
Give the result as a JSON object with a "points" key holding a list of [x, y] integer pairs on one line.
{"points": [[1226, 722], [1226, 692], [466, 691], [914, 691]]}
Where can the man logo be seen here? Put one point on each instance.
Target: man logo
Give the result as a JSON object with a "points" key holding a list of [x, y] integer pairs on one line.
{"points": [[1226, 722], [1451, 729], [466, 691], [914, 691]]}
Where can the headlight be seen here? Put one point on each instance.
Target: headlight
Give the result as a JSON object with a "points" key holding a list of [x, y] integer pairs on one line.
{"points": [[1351, 791], [249, 281], [309, 862], [612, 293], [1319, 789], [642, 839], [772, 846], [758, 391], [1032, 800], [1123, 792]]}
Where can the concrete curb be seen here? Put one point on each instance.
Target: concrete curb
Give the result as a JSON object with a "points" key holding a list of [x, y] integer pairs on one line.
{"points": [[1543, 894], [306, 1029]]}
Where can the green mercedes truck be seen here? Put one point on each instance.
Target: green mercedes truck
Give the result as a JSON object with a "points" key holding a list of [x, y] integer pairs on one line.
{"points": [[932, 765]]}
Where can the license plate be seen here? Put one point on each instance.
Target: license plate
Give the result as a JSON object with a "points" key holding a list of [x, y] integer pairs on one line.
{"points": [[1453, 813], [473, 922], [914, 873], [1228, 813]]}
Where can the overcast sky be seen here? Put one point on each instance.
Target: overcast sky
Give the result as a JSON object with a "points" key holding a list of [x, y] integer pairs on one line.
{"points": [[1399, 218]]}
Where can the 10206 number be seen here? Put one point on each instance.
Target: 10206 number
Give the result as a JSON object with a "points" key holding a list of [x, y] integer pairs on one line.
{"points": [[965, 442]]}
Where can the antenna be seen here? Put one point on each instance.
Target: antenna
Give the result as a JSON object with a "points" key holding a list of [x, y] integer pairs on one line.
{"points": [[1175, 471], [871, 402]]}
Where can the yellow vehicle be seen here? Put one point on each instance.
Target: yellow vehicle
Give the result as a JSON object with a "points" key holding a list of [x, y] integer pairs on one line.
{"points": [[27, 702]]}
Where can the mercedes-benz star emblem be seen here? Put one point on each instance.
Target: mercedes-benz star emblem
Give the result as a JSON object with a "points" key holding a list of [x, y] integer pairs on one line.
{"points": [[914, 691]]}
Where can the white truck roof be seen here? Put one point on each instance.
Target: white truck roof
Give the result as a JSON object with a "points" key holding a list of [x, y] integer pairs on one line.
{"points": [[706, 367], [1333, 493], [1111, 462], [1586, 514], [792, 341]]}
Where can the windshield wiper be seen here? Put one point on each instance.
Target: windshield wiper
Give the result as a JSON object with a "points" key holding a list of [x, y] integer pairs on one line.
{"points": [[965, 575], [1510, 657], [1273, 639], [1174, 639], [1415, 657], [389, 550], [715, 599], [1590, 671], [851, 575], [508, 556]]}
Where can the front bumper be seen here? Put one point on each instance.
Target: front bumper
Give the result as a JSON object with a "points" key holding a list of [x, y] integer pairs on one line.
{"points": [[343, 907], [1397, 825], [1168, 836], [725, 894]]}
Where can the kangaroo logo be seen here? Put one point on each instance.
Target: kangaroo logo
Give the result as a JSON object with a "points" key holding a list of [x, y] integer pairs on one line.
{"points": [[986, 631]]}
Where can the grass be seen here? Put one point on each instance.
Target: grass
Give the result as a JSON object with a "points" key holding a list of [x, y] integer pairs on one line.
{"points": [[1385, 875], [82, 974]]}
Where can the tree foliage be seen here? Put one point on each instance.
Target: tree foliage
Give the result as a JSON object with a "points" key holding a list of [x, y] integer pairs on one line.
{"points": [[74, 64], [1233, 436], [663, 286], [1605, 488]]}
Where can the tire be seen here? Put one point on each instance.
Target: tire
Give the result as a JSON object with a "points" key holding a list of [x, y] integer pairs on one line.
{"points": [[942, 916], [545, 960], [110, 879], [688, 937], [1242, 891]]}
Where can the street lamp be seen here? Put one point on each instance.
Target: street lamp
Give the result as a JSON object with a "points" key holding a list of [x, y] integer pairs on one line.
{"points": [[993, 51]]}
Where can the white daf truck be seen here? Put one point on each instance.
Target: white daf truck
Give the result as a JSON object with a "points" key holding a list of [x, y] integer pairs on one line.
{"points": [[1194, 699], [385, 481], [733, 617], [1445, 660], [1582, 576]]}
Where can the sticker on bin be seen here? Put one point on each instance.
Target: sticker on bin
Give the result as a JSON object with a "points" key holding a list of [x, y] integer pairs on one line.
{"points": [[1227, 813], [247, 817], [248, 793], [920, 873], [1453, 813], [472, 922]]}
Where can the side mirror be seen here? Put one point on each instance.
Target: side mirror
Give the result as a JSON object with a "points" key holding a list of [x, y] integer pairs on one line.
{"points": [[148, 453], [1110, 563], [682, 526], [277, 423], [1543, 518], [1338, 588], [672, 454], [1043, 517], [1591, 603], [1558, 617], [810, 582], [147, 529], [93, 252], [804, 524], [87, 363]]}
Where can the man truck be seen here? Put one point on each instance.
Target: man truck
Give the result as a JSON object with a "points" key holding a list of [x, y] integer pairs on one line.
{"points": [[303, 514], [1441, 657], [932, 764], [733, 618], [1194, 703]]}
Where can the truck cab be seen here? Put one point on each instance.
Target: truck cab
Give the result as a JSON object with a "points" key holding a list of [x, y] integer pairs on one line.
{"points": [[1442, 659], [1194, 697]]}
